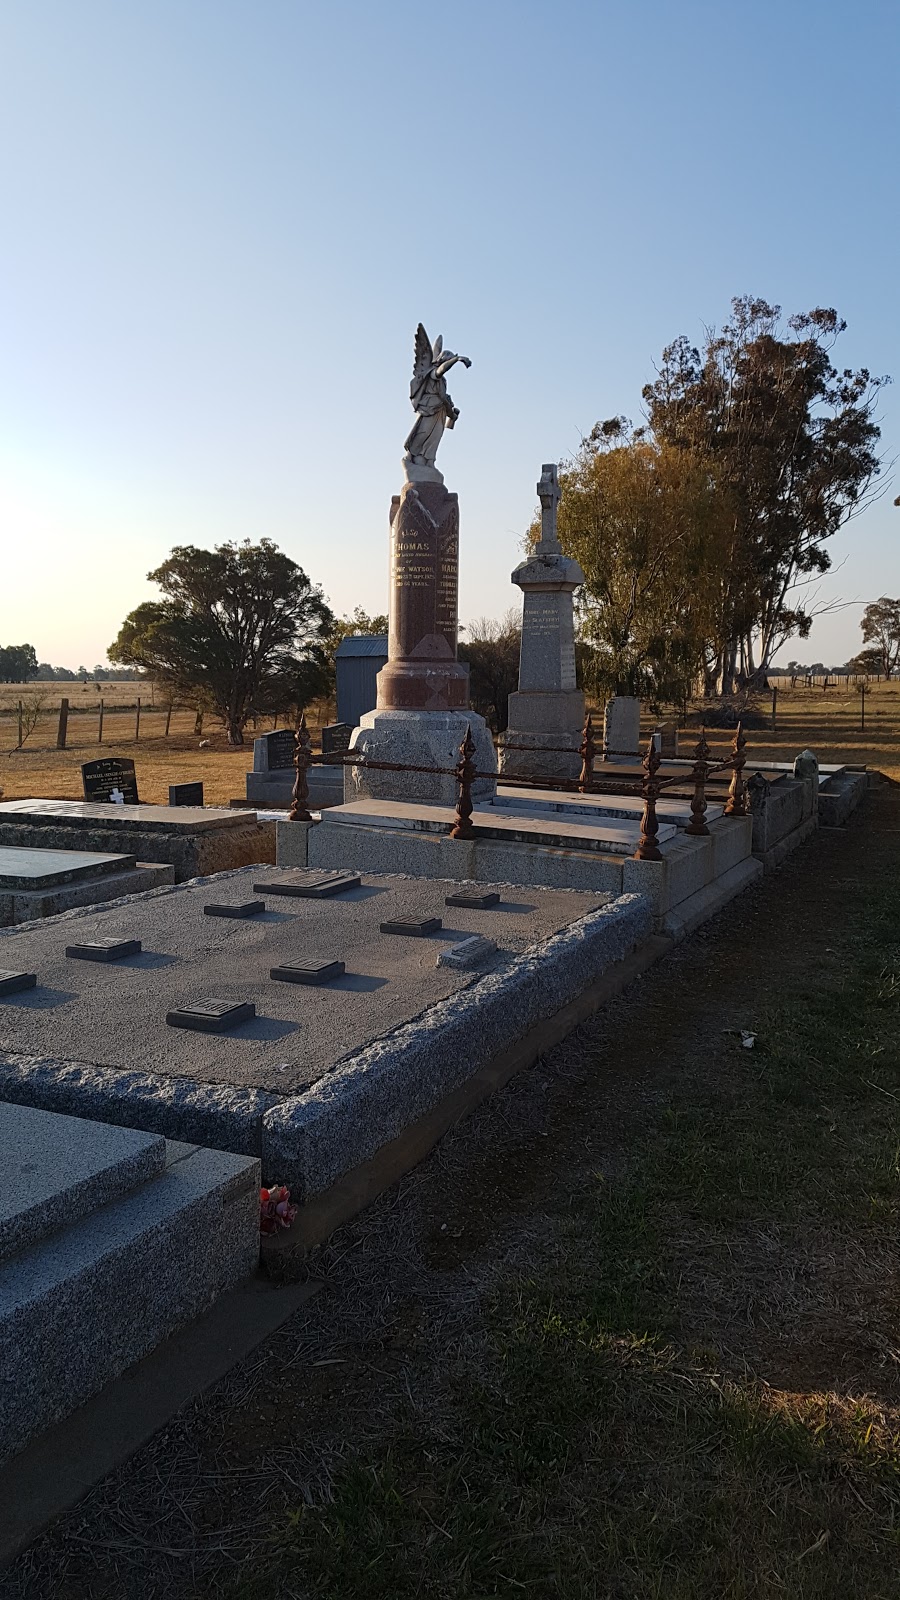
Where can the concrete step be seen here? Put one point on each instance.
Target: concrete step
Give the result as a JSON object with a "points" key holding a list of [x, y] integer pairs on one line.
{"points": [[80, 1305], [601, 807], [605, 834]]}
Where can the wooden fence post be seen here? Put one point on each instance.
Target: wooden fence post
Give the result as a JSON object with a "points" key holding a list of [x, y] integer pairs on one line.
{"points": [[168, 719], [21, 740], [137, 720], [862, 707], [100, 728], [774, 707], [63, 724]]}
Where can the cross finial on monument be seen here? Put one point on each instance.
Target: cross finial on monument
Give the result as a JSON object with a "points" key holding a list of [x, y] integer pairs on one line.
{"points": [[549, 495]]}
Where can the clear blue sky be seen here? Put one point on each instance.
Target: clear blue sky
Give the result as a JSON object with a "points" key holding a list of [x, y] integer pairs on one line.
{"points": [[223, 219]]}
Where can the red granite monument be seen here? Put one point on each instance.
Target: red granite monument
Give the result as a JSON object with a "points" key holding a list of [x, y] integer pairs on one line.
{"points": [[423, 692]]}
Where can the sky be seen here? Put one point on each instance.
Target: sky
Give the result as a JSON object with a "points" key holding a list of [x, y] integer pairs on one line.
{"points": [[222, 220]]}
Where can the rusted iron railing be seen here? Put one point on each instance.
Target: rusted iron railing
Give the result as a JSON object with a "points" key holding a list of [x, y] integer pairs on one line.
{"points": [[466, 774]]}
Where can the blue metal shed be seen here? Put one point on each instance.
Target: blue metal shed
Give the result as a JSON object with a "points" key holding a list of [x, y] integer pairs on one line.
{"points": [[358, 660]]}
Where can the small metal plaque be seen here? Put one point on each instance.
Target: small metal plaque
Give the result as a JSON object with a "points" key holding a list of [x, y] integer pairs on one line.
{"points": [[313, 888], [243, 908], [13, 982], [103, 949], [212, 1016], [473, 902], [308, 971], [415, 930]]}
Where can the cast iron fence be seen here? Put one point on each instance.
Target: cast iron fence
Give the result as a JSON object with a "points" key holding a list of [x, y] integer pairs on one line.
{"points": [[466, 774]]}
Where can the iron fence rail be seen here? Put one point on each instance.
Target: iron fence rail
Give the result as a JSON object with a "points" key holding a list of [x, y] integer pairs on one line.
{"points": [[466, 774]]}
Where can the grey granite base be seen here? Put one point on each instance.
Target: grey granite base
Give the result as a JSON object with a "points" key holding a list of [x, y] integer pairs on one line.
{"points": [[55, 1169], [542, 757], [840, 796], [418, 738], [273, 790]]}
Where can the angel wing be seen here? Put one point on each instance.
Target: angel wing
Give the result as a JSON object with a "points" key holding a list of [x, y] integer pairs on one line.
{"points": [[424, 355]]}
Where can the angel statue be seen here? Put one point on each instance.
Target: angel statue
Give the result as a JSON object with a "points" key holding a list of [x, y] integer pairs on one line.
{"points": [[434, 409]]}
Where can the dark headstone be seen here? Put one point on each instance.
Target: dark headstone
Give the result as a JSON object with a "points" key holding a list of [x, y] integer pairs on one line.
{"points": [[308, 971], [473, 902], [212, 1016], [185, 794], [312, 888], [13, 982], [242, 908], [273, 752], [103, 949], [335, 738], [107, 779], [415, 930]]}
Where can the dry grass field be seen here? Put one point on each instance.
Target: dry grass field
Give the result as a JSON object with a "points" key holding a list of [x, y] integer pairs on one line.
{"points": [[39, 769], [827, 722]]}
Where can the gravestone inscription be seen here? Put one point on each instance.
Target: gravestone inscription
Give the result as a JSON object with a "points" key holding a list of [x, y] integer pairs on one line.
{"points": [[110, 780], [274, 752], [336, 738]]}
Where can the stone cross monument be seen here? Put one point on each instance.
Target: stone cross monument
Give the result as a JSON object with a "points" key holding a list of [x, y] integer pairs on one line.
{"points": [[548, 708], [421, 713]]}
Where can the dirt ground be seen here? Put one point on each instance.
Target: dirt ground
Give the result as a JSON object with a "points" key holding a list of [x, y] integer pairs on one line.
{"points": [[629, 1333], [40, 770]]}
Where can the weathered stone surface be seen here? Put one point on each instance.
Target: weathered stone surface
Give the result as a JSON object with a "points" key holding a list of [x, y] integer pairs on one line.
{"points": [[839, 797], [373, 1095], [99, 1294], [426, 739], [18, 907], [54, 1169], [116, 1015], [621, 727], [212, 1114]]}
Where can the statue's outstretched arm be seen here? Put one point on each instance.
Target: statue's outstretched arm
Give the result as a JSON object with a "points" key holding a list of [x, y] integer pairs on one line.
{"points": [[444, 366]]}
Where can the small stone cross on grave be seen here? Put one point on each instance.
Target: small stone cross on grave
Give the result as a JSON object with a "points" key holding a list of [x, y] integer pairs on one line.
{"points": [[549, 495], [117, 796]]}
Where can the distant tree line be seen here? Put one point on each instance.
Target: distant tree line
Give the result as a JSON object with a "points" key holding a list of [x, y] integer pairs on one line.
{"points": [[702, 532], [19, 664]]}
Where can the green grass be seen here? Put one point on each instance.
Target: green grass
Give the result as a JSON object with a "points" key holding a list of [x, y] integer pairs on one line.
{"points": [[611, 1438]]}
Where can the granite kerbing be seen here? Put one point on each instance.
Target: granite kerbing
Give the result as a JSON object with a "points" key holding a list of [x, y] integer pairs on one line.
{"points": [[213, 1114], [310, 1140]]}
